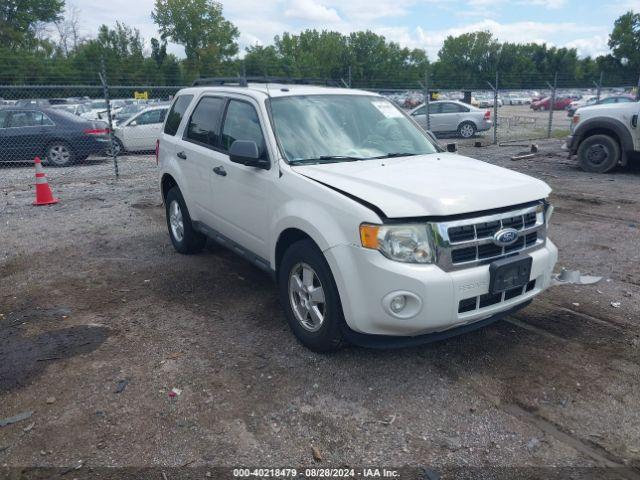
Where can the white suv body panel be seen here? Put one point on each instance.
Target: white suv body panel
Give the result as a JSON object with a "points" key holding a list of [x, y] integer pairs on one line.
{"points": [[253, 207]]}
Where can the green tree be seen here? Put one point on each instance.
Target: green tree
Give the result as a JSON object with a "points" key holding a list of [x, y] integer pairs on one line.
{"points": [[624, 40], [18, 18], [208, 38]]}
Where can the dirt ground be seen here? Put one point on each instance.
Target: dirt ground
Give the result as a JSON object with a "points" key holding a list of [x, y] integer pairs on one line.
{"points": [[100, 319]]}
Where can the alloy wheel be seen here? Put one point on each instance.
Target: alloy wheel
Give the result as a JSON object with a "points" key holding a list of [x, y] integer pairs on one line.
{"points": [[306, 296]]}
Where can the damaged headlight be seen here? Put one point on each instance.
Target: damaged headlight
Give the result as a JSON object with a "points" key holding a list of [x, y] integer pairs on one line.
{"points": [[408, 243]]}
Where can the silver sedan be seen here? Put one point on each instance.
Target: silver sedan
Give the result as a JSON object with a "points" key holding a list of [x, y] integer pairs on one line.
{"points": [[448, 116]]}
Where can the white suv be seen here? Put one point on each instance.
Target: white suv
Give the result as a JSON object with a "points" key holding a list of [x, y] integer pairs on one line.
{"points": [[374, 234]]}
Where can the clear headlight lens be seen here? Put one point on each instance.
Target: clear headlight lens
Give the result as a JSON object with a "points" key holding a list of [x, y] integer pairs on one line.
{"points": [[402, 243]]}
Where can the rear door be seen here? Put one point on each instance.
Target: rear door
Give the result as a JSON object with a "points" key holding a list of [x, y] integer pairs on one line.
{"points": [[450, 116], [199, 152]]}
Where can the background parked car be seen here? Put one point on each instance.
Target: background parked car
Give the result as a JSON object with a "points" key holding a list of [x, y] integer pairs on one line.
{"points": [[593, 100], [451, 116], [128, 111], [561, 103], [60, 137], [77, 109], [140, 132]]}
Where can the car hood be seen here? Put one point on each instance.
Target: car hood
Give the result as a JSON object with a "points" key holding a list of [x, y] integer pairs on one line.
{"points": [[439, 184]]}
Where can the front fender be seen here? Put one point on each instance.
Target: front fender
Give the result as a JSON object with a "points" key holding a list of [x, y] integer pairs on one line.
{"points": [[602, 123]]}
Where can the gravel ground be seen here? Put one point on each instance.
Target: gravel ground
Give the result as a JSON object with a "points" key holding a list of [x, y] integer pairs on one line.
{"points": [[100, 319]]}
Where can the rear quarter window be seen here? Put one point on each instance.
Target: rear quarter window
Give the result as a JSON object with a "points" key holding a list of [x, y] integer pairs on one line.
{"points": [[174, 117]]}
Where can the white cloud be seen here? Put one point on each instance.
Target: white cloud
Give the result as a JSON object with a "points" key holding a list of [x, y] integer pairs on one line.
{"points": [[592, 46], [311, 11], [516, 32]]}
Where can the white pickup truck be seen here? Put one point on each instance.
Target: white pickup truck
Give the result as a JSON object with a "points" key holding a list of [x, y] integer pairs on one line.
{"points": [[373, 233], [604, 136]]}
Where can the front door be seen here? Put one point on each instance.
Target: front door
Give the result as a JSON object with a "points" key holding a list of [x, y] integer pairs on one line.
{"points": [[240, 193]]}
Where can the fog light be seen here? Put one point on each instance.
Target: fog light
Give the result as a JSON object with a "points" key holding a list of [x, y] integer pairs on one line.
{"points": [[398, 303]]}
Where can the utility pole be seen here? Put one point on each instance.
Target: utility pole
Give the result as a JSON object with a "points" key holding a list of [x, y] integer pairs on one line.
{"points": [[599, 87], [427, 99], [495, 109], [105, 90], [553, 102], [638, 90], [349, 78]]}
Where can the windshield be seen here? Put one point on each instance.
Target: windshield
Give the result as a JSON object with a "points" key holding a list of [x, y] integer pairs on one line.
{"points": [[315, 128]]}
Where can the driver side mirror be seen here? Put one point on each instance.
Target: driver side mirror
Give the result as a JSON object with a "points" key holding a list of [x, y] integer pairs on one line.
{"points": [[246, 152]]}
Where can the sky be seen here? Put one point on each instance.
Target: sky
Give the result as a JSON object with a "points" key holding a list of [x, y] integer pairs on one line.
{"points": [[584, 25]]}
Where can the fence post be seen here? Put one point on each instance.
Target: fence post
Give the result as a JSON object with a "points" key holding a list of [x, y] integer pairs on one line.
{"points": [[112, 141], [427, 99], [495, 110], [349, 78], [638, 89], [553, 103], [598, 87]]}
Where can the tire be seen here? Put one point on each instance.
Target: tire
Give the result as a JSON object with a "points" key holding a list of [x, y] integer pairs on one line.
{"points": [[320, 332], [467, 129], [119, 148], [60, 154], [598, 154], [185, 238]]}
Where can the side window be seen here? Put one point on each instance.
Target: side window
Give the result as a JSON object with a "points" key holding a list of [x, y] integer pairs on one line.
{"points": [[176, 113], [420, 111], [624, 100], [150, 117], [41, 119], [242, 123], [435, 108], [3, 118], [204, 124], [450, 108]]}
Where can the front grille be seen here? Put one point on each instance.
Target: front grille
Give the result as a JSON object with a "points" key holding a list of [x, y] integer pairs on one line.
{"points": [[488, 299], [469, 242]]}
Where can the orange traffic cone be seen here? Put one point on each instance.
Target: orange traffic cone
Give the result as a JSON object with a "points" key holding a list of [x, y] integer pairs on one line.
{"points": [[43, 192]]}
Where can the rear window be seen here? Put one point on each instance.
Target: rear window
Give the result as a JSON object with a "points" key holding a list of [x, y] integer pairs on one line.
{"points": [[204, 124], [174, 118]]}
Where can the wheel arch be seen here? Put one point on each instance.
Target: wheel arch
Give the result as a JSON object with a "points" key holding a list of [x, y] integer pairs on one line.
{"points": [[167, 183], [286, 238], [604, 126]]}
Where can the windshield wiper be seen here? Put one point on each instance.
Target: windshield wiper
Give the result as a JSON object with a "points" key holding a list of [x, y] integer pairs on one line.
{"points": [[325, 159], [395, 154]]}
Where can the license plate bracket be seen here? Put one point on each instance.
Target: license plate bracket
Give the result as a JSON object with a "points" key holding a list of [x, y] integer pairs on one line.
{"points": [[508, 273]]}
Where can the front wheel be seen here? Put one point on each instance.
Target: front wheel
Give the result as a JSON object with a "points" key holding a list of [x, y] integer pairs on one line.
{"points": [[309, 296], [467, 130], [185, 238], [598, 153], [116, 148]]}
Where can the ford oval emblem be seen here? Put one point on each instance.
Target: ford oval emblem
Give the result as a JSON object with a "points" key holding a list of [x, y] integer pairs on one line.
{"points": [[505, 237]]}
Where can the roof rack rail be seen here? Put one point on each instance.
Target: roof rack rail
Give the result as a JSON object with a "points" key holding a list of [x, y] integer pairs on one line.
{"points": [[244, 81]]}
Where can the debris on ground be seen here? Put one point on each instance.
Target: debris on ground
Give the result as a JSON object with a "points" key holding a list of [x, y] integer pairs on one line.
{"points": [[533, 444], [317, 455], [175, 392], [523, 156], [51, 400], [615, 304], [452, 443], [29, 427], [15, 419], [573, 276], [122, 384]]}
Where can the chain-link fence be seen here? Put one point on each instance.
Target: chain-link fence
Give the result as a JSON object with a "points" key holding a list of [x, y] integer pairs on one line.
{"points": [[105, 124]]}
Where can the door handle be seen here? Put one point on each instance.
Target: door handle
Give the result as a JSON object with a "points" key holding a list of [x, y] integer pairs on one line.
{"points": [[220, 171], [634, 121], [181, 155]]}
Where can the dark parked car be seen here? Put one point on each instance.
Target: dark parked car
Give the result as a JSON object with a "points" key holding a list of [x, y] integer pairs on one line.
{"points": [[59, 137]]}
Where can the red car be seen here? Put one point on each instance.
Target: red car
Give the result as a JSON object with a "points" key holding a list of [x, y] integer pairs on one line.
{"points": [[544, 104]]}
